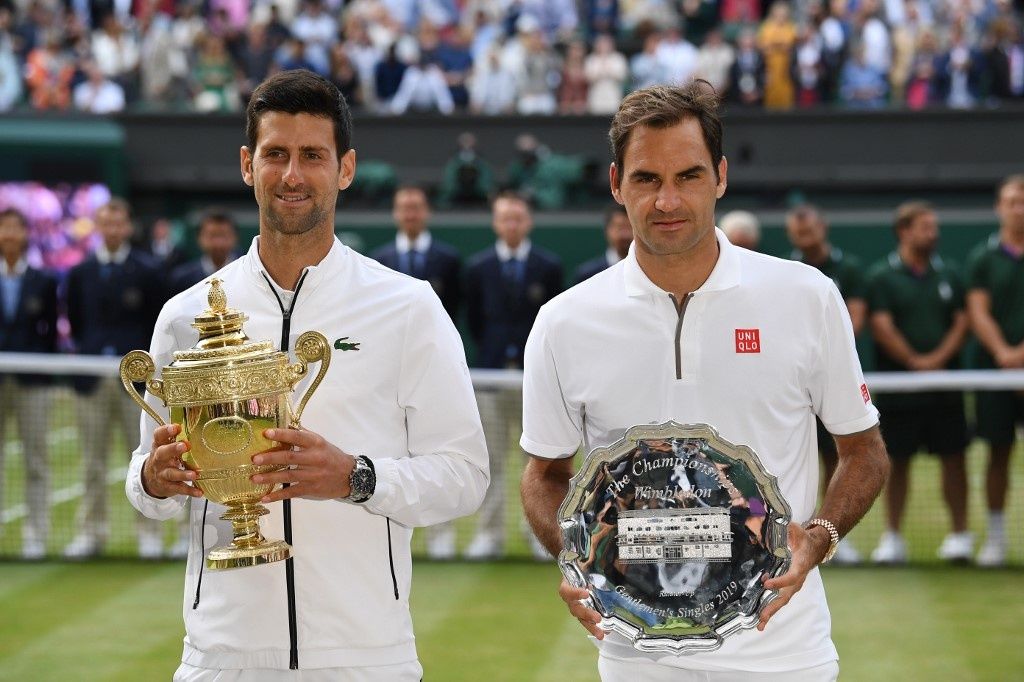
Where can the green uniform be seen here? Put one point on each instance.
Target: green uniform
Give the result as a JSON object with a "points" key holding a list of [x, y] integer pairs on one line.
{"points": [[993, 268], [922, 306], [842, 269]]}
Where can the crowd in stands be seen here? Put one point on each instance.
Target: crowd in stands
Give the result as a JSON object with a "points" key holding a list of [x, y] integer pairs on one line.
{"points": [[510, 56]]}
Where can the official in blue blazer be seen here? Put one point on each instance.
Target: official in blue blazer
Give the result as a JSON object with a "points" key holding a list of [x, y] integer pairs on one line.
{"points": [[416, 253], [506, 285], [217, 238], [113, 298], [28, 324], [618, 234]]}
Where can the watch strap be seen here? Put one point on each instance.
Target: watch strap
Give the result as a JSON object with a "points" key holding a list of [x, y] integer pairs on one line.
{"points": [[833, 535]]}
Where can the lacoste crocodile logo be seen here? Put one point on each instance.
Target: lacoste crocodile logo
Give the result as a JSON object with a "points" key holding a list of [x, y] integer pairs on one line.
{"points": [[342, 344]]}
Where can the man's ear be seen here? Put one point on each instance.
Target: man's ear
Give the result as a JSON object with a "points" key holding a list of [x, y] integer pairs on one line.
{"points": [[723, 179], [245, 159], [615, 182], [347, 173]]}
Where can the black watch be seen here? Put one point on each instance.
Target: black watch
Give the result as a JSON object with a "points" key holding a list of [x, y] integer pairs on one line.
{"points": [[362, 481]]}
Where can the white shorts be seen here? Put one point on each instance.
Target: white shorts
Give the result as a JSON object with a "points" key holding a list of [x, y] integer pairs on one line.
{"points": [[411, 671], [617, 670]]}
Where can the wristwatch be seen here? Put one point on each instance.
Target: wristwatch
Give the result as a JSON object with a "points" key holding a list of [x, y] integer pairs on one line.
{"points": [[362, 481], [833, 536]]}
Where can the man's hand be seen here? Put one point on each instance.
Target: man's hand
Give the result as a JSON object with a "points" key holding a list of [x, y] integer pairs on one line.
{"points": [[808, 548], [164, 474], [1010, 358], [588, 618], [316, 469]]}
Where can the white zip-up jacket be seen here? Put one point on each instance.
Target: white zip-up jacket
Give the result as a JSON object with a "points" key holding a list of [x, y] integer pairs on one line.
{"points": [[403, 399]]}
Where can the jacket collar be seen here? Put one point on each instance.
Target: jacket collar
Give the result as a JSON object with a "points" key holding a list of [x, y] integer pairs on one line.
{"points": [[333, 262]]}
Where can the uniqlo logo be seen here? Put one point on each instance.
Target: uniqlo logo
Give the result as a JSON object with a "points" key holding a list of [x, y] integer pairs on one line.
{"points": [[748, 340], [864, 393]]}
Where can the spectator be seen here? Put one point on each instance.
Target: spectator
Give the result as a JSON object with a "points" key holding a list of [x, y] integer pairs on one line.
{"points": [[738, 14], [345, 77], [28, 324], [48, 74], [423, 89], [678, 57], [834, 32], [537, 73], [493, 86], [278, 32], [456, 63], [645, 67], [742, 228], [861, 86], [618, 235], [958, 72], [98, 94], [807, 231], [1005, 61], [714, 61], [808, 67], [699, 17], [163, 65], [255, 60], [921, 90], [292, 57], [905, 38], [214, 77], [113, 298], [606, 72], [364, 56], [995, 274], [556, 19], [163, 247], [10, 74], [873, 37], [506, 285], [747, 77], [572, 86], [217, 239], [318, 31], [776, 39], [529, 155], [640, 15], [602, 17], [919, 325], [467, 179], [186, 30], [387, 77], [116, 52]]}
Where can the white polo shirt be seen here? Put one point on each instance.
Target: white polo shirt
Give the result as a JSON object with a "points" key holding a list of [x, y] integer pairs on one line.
{"points": [[761, 348]]}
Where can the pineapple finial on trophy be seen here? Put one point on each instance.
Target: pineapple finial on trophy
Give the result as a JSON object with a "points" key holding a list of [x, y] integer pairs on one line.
{"points": [[217, 299]]}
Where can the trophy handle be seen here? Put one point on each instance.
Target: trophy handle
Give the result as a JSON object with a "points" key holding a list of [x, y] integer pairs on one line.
{"points": [[310, 347], [138, 366]]}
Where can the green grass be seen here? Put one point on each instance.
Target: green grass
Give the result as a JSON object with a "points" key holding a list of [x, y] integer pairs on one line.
{"points": [[119, 620]]}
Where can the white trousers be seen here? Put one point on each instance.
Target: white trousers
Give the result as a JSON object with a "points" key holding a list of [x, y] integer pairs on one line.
{"points": [[639, 670], [29, 406]]}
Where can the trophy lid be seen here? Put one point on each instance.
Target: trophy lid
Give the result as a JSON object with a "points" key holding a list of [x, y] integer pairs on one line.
{"points": [[221, 336]]}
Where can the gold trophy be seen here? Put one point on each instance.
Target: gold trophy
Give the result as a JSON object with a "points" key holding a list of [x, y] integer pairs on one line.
{"points": [[225, 392]]}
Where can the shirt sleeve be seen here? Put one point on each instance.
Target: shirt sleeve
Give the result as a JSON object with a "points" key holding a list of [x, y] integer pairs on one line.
{"points": [[977, 269], [446, 473], [854, 284], [838, 392], [161, 350], [877, 294], [552, 427]]}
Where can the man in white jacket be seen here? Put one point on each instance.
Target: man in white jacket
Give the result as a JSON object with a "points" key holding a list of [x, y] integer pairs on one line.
{"points": [[391, 439]]}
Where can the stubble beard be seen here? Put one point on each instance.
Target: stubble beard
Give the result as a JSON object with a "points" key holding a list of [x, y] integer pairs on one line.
{"points": [[300, 224]]}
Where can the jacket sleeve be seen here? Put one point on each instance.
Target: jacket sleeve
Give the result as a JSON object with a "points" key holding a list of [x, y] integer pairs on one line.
{"points": [[161, 349], [445, 474]]}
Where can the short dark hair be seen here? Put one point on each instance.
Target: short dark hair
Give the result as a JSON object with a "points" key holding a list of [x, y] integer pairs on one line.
{"points": [[216, 215], [117, 204], [908, 212], [1016, 180], [663, 106], [613, 210], [411, 187], [511, 195], [16, 214], [805, 210], [300, 91]]}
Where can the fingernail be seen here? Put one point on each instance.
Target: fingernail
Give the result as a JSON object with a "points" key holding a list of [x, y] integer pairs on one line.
{"points": [[258, 459], [264, 499], [270, 433], [257, 479], [181, 447]]}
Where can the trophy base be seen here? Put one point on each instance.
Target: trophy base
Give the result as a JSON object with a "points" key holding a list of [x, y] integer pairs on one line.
{"points": [[240, 557]]}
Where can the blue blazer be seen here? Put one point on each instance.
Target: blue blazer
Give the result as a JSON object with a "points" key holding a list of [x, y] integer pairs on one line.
{"points": [[443, 269], [500, 317], [34, 327], [116, 313], [590, 268]]}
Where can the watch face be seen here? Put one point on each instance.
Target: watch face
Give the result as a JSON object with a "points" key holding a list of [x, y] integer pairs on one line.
{"points": [[363, 481]]}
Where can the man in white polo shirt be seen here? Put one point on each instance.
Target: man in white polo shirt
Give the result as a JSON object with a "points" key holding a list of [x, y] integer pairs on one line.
{"points": [[690, 328]]}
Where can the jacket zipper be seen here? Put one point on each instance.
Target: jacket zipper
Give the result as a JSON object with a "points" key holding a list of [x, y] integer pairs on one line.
{"points": [[681, 310], [391, 560], [202, 551], [289, 564]]}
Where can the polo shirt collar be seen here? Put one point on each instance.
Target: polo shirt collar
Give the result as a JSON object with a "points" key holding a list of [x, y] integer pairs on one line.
{"points": [[505, 252], [725, 274], [117, 258], [332, 262]]}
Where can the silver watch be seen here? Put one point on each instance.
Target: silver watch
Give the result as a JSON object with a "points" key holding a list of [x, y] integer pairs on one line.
{"points": [[362, 481]]}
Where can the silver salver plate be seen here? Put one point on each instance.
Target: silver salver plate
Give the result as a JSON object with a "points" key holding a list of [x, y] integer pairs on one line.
{"points": [[673, 529]]}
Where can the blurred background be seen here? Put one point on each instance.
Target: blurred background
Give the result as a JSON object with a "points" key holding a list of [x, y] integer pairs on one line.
{"points": [[837, 114]]}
